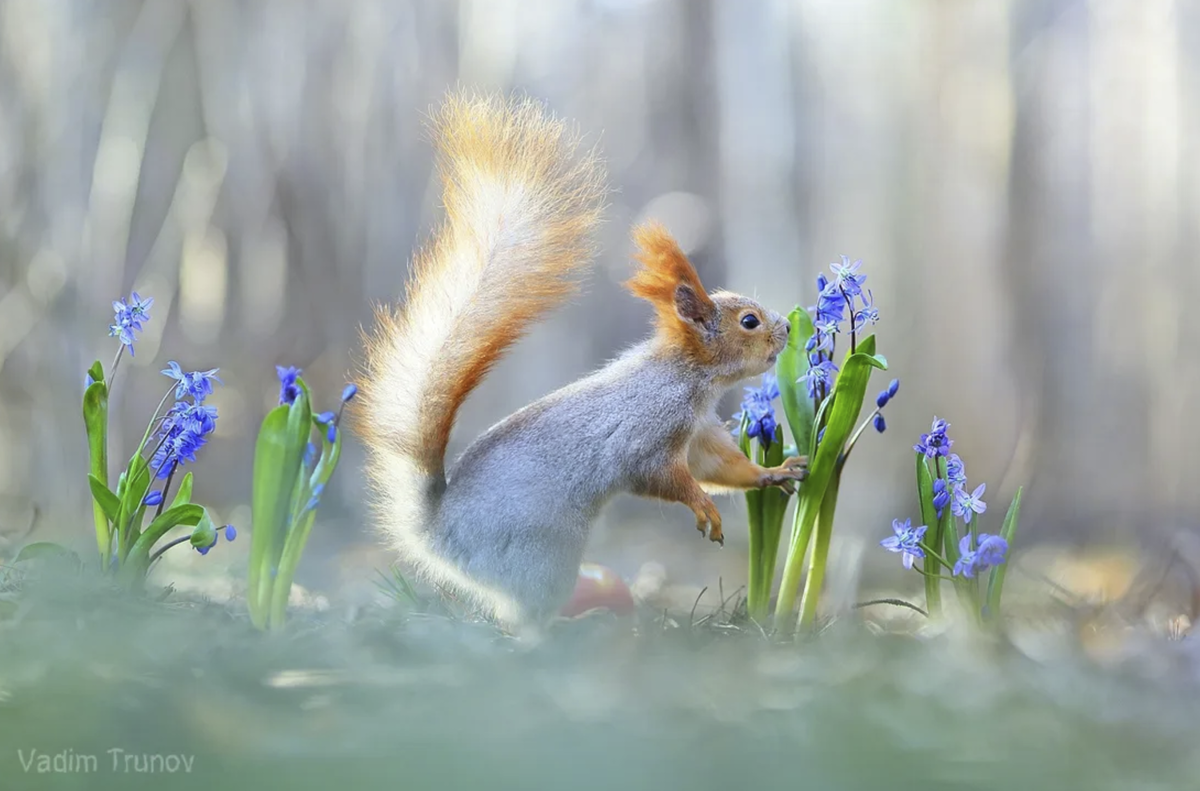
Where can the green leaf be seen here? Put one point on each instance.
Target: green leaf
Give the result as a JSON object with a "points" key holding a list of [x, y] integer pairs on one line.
{"points": [[96, 372], [297, 536], [843, 411], [996, 578], [278, 458], [137, 482], [133, 571], [793, 364], [184, 493], [205, 532], [107, 501], [95, 421], [46, 550], [774, 509]]}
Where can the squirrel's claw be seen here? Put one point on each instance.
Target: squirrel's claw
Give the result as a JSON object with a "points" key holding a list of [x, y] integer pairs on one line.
{"points": [[785, 475], [708, 522]]}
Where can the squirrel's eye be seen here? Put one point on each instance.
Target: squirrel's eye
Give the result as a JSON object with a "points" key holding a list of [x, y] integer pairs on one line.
{"points": [[750, 321]]}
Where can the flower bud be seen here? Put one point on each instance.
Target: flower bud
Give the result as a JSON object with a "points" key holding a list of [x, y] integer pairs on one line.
{"points": [[880, 424], [153, 498]]}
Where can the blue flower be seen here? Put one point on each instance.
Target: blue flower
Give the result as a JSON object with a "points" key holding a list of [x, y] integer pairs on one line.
{"points": [[956, 472], [907, 540], [153, 498], [757, 410], [991, 551], [819, 377], [331, 434], [868, 311], [888, 394], [205, 538], [325, 418], [846, 277], [830, 311], [880, 423], [941, 496], [128, 318], [349, 392], [310, 454], [935, 443], [197, 384], [288, 389], [967, 505]]}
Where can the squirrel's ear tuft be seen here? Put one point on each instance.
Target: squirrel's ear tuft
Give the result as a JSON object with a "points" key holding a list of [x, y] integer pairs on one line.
{"points": [[665, 274]]}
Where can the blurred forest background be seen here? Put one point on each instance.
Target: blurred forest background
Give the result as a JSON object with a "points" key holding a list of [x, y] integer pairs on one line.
{"points": [[1021, 179]]}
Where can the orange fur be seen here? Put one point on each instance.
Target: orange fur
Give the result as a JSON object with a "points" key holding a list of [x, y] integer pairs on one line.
{"points": [[664, 268]]}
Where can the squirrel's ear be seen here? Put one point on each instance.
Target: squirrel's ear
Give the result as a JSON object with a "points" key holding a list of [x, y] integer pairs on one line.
{"points": [[692, 308]]}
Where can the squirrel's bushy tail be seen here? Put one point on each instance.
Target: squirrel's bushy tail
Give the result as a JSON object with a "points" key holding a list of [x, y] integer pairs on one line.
{"points": [[521, 208]]}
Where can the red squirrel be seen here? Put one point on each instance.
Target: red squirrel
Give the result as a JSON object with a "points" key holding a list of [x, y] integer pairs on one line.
{"points": [[507, 523]]}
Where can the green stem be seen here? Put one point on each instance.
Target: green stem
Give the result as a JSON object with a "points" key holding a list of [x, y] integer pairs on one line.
{"points": [[789, 586], [176, 542], [858, 433], [929, 551], [820, 555], [293, 549]]}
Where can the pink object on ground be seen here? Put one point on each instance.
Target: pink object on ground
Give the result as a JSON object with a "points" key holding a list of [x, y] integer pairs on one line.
{"points": [[599, 587]]}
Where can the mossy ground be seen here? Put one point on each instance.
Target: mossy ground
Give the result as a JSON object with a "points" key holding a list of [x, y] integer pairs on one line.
{"points": [[389, 698]]}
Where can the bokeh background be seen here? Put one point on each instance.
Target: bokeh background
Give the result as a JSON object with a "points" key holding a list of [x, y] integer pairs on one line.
{"points": [[1021, 179]]}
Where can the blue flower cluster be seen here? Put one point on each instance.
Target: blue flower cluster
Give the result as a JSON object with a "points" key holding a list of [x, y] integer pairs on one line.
{"points": [[187, 424], [951, 491], [128, 316], [837, 298], [757, 409]]}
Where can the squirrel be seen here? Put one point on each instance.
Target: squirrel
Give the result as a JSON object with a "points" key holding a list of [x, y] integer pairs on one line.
{"points": [[506, 525]]}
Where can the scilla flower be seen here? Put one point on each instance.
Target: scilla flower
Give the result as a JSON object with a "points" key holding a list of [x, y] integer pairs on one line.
{"points": [[197, 384], [935, 443], [991, 551], [967, 505], [906, 541], [128, 317], [819, 378], [288, 389]]}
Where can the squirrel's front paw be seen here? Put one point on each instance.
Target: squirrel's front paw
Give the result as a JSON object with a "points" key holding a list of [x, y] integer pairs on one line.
{"points": [[785, 475], [708, 520]]}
